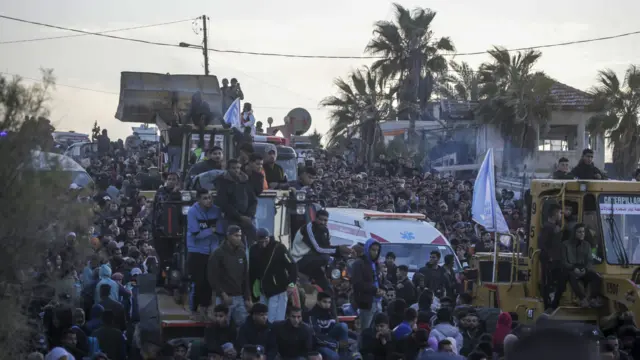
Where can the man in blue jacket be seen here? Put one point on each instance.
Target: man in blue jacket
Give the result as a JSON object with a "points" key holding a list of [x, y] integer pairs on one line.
{"points": [[203, 223]]}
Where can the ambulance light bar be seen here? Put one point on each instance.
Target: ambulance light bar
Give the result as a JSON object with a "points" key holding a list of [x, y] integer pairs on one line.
{"points": [[276, 140], [391, 216]]}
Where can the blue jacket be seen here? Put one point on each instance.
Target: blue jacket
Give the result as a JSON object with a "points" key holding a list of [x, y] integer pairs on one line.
{"points": [[200, 237], [105, 278]]}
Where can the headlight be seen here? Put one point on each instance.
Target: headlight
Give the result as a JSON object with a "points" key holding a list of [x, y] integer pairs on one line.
{"points": [[185, 196], [335, 274], [301, 195], [300, 210], [185, 210]]}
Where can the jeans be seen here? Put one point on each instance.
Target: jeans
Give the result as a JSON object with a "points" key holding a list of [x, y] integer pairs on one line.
{"points": [[366, 316], [237, 310], [277, 306], [200, 294], [174, 153]]}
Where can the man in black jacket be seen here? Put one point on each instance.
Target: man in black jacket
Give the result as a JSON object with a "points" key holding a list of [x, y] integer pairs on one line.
{"points": [[274, 272], [237, 199], [257, 330], [376, 343], [365, 280], [434, 274], [222, 329], [562, 170], [213, 161], [119, 320], [405, 289], [293, 337], [586, 170], [551, 257], [253, 169]]}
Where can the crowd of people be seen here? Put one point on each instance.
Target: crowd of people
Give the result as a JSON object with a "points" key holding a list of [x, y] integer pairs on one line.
{"points": [[251, 314]]}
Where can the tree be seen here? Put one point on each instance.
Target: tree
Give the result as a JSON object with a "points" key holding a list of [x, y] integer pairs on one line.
{"points": [[36, 207], [95, 131], [316, 139], [516, 100], [462, 84], [618, 104], [412, 56], [361, 103]]}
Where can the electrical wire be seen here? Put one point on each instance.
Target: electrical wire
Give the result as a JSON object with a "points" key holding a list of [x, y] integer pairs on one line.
{"points": [[99, 32], [89, 32], [257, 53]]}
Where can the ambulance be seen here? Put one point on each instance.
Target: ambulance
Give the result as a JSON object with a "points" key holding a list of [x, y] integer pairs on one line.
{"points": [[408, 236]]}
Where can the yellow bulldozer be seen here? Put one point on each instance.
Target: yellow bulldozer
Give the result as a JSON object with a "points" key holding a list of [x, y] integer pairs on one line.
{"points": [[610, 211]]}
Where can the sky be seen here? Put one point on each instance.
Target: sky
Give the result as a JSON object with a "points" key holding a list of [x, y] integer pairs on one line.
{"points": [[274, 85]]}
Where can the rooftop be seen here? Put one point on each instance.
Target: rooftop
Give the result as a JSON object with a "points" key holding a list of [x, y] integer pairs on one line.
{"points": [[566, 97]]}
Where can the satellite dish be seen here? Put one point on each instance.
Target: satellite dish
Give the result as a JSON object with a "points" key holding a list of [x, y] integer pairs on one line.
{"points": [[269, 121], [298, 120]]}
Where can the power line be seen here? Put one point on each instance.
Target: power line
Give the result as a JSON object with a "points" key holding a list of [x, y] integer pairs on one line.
{"points": [[117, 94], [89, 32], [100, 32], [257, 53]]}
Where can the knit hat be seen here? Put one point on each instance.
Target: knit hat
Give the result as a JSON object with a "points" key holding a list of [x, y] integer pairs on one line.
{"points": [[233, 229], [262, 233]]}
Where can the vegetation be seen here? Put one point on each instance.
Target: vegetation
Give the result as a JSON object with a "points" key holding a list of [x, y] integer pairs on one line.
{"points": [[618, 104], [511, 93], [36, 207]]}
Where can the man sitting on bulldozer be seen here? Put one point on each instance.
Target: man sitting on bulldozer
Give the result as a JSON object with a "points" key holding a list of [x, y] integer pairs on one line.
{"points": [[578, 264]]}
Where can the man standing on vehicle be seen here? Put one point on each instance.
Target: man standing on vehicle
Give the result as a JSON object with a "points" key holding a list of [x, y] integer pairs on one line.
{"points": [[311, 249], [365, 280], [272, 274], [213, 161], [237, 199], [228, 274], [274, 173], [202, 222], [550, 242]]}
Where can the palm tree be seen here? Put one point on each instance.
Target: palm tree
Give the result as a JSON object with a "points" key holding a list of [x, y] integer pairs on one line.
{"points": [[316, 139], [515, 99], [462, 84], [361, 103], [618, 106], [412, 56]]}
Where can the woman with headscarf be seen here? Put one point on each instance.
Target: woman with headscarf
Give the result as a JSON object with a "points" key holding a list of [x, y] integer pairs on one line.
{"points": [[503, 328]]}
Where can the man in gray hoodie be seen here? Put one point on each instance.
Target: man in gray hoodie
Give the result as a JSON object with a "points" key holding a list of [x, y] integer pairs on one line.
{"points": [[445, 328]]}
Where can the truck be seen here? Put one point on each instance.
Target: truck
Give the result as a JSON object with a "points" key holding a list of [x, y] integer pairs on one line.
{"points": [[163, 99]]}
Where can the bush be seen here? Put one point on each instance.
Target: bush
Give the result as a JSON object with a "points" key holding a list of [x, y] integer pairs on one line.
{"points": [[37, 208]]}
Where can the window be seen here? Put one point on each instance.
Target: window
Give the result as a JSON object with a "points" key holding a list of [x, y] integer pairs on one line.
{"points": [[553, 145]]}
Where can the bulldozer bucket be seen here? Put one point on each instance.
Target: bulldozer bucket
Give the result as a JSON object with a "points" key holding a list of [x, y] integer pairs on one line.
{"points": [[146, 96]]}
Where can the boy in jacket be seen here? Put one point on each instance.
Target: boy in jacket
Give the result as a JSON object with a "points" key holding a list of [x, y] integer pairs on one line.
{"points": [[365, 281], [272, 274], [203, 220], [228, 274], [330, 335]]}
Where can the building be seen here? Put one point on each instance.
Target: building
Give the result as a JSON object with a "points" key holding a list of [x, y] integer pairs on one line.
{"points": [[455, 123], [146, 132], [564, 136]]}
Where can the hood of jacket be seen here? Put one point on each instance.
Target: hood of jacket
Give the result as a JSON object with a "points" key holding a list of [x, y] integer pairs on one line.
{"points": [[447, 330], [96, 311], [368, 246], [105, 272], [241, 178]]}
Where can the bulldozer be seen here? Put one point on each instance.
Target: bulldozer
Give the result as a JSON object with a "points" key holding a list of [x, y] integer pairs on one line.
{"points": [[610, 211], [162, 99]]}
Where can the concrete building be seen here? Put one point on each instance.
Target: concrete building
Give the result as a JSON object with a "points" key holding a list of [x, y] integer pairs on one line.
{"points": [[565, 135]]}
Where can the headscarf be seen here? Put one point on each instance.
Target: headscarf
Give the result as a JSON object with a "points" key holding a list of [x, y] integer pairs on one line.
{"points": [[57, 353], [503, 328]]}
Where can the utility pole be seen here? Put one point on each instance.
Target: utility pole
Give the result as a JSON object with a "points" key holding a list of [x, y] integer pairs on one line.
{"points": [[205, 47]]}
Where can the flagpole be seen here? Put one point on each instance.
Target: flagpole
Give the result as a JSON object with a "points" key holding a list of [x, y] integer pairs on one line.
{"points": [[495, 256]]}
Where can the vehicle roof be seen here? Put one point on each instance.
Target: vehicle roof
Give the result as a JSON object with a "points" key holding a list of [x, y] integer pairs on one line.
{"points": [[43, 160], [355, 226], [615, 186]]}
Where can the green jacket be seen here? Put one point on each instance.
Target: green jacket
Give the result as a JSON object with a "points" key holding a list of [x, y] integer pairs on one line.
{"points": [[577, 254]]}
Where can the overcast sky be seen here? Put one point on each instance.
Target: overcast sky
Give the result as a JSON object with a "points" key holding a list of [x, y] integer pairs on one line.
{"points": [[276, 85]]}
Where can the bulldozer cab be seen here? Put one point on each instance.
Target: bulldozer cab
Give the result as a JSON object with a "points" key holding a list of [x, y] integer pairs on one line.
{"points": [[610, 211]]}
